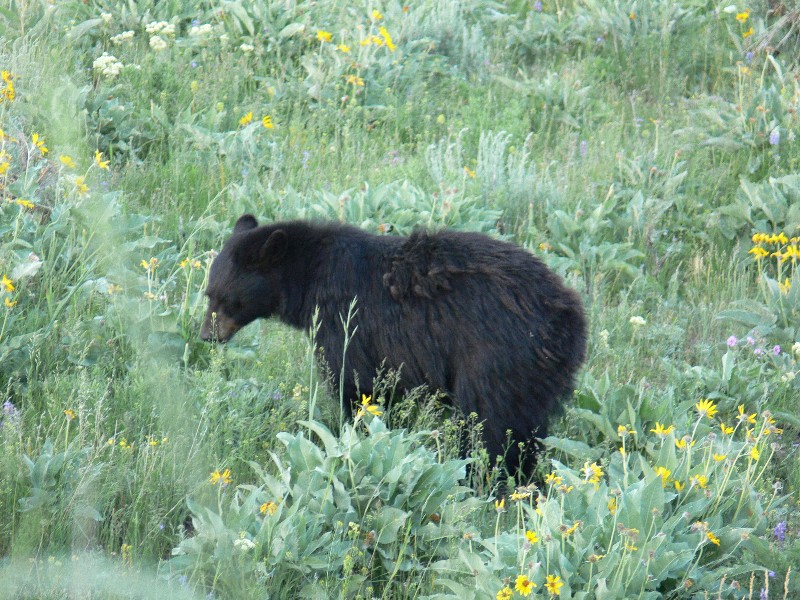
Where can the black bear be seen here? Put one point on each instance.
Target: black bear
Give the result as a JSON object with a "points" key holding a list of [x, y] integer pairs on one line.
{"points": [[480, 319]]}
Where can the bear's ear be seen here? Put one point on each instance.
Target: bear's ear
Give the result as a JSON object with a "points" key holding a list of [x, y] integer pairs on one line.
{"points": [[245, 223], [274, 249]]}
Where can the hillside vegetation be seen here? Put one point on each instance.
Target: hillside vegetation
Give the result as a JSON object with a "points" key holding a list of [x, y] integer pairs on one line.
{"points": [[646, 150]]}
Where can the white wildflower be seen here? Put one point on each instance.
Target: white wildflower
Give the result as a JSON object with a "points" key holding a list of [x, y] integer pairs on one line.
{"points": [[160, 27], [200, 31], [243, 544], [122, 38], [157, 43], [108, 65]]}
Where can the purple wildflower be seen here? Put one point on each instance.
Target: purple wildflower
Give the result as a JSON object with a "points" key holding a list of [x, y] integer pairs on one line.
{"points": [[780, 531], [763, 595], [774, 137], [9, 410], [537, 6], [776, 350], [758, 351], [584, 148], [751, 341], [732, 341], [748, 57]]}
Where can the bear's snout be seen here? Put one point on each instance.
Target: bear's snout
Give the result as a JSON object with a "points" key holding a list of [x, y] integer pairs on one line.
{"points": [[218, 327]]}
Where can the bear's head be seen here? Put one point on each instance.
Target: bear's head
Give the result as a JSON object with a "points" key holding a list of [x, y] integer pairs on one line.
{"points": [[244, 283]]}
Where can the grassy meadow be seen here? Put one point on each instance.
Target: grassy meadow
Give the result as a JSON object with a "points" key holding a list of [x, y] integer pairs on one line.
{"points": [[646, 150]]}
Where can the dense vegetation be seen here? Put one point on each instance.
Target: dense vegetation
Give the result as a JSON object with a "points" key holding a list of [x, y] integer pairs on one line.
{"points": [[645, 149]]}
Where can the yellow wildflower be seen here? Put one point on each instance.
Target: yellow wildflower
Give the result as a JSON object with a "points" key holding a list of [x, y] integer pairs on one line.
{"points": [[743, 16], [683, 443], [699, 480], [748, 33], [223, 477], [324, 36], [531, 537], [80, 185], [246, 119], [343, 48], [8, 92], [678, 485], [745, 417], [387, 38], [268, 507], [592, 473], [504, 594], [376, 14], [368, 407], [150, 265], [661, 430], [719, 457], [726, 429], [612, 505], [70, 414], [706, 408], [38, 141], [754, 453], [554, 479], [500, 505], [624, 431], [354, 80], [7, 284], [98, 160], [67, 161], [664, 473], [524, 585], [554, 584], [469, 172], [9, 302], [267, 122], [712, 538], [567, 531]]}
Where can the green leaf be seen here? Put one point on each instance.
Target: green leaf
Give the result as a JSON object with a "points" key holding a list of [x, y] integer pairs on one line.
{"points": [[332, 446], [388, 523], [728, 362], [574, 448], [291, 29]]}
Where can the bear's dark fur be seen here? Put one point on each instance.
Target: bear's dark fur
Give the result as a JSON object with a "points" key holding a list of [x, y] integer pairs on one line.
{"points": [[481, 319]]}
